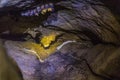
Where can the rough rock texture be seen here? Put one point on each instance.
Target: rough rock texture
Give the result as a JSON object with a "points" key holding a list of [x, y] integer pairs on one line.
{"points": [[59, 66], [97, 58], [8, 68]]}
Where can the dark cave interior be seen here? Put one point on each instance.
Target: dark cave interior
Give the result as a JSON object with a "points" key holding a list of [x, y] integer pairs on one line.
{"points": [[59, 40]]}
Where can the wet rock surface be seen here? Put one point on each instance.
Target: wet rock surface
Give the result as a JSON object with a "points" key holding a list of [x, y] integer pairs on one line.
{"points": [[94, 57]]}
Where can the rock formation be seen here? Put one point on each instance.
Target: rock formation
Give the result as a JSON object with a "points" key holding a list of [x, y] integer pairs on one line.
{"points": [[92, 24]]}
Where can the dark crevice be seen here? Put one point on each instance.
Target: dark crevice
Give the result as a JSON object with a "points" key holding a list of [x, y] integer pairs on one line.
{"points": [[94, 38], [113, 5]]}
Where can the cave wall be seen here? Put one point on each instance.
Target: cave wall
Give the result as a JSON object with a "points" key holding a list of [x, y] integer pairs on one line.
{"points": [[98, 31]]}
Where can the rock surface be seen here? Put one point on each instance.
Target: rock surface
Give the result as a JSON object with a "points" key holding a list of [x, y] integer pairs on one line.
{"points": [[9, 70], [94, 57]]}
